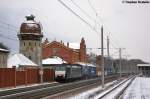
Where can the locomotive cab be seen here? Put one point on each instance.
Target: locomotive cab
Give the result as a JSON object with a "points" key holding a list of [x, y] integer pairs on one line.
{"points": [[60, 73]]}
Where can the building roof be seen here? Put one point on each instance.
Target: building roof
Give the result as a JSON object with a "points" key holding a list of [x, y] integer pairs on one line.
{"points": [[85, 64], [53, 60], [31, 26], [143, 65], [73, 45], [19, 60], [4, 50]]}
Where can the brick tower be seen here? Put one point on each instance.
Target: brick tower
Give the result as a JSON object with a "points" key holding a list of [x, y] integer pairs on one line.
{"points": [[82, 51], [30, 37]]}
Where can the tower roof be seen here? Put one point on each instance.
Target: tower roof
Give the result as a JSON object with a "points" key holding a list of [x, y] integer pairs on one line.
{"points": [[31, 26]]}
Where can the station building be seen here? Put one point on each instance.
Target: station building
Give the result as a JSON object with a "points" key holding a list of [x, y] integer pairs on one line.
{"points": [[69, 52], [144, 69]]}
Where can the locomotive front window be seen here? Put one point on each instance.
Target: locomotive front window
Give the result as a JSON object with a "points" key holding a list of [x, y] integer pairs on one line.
{"points": [[60, 68]]}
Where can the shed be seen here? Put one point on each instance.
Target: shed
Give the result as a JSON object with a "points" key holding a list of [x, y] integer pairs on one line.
{"points": [[144, 69]]}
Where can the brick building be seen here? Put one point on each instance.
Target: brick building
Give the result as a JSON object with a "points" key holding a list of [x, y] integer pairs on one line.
{"points": [[70, 52]]}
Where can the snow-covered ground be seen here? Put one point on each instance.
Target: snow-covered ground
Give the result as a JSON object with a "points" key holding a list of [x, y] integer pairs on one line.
{"points": [[139, 89], [97, 92], [88, 93], [114, 93]]}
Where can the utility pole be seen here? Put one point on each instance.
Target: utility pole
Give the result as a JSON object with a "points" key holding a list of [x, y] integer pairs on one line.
{"points": [[108, 47], [120, 62], [102, 55]]}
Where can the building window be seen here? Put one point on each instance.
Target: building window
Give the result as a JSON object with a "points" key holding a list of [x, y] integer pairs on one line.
{"points": [[30, 57], [35, 43], [55, 51], [29, 43], [24, 44]]}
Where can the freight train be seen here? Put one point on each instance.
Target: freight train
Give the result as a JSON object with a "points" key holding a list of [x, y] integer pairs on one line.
{"points": [[70, 72]]}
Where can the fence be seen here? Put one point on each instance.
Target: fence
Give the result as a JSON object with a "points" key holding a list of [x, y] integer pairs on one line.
{"points": [[11, 77]]}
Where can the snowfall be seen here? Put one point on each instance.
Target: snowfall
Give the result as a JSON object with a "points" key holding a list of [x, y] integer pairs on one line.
{"points": [[138, 89]]}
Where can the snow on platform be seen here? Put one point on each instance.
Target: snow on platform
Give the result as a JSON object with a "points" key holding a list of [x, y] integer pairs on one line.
{"points": [[139, 89]]}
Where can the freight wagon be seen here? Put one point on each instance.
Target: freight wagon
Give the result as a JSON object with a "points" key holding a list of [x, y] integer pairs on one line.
{"points": [[88, 70]]}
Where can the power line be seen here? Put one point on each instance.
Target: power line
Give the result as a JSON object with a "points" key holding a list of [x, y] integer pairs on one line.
{"points": [[6, 37], [92, 7], [77, 16], [82, 10], [90, 16], [9, 24], [94, 10]]}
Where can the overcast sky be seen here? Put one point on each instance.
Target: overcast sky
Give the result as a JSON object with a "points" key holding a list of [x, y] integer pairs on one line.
{"points": [[128, 25]]}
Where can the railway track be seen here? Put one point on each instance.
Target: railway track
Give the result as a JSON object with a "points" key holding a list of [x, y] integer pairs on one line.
{"points": [[36, 93], [28, 88], [116, 91]]}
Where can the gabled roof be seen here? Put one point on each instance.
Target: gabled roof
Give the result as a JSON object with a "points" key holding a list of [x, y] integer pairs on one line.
{"points": [[85, 64], [4, 50], [73, 45], [53, 60], [19, 60]]}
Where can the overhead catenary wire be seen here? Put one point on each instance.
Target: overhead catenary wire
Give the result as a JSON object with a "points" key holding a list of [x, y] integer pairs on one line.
{"points": [[79, 17], [6, 37], [101, 20], [88, 24], [91, 17]]}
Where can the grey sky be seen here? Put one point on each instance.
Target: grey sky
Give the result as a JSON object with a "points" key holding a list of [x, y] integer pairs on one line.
{"points": [[127, 24]]}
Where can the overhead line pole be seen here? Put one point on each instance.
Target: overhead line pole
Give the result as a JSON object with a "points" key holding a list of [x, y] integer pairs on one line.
{"points": [[120, 62], [108, 46], [102, 59]]}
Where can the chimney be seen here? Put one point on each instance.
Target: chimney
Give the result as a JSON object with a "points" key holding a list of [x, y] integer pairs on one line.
{"points": [[30, 17], [46, 41], [67, 44], [61, 41]]}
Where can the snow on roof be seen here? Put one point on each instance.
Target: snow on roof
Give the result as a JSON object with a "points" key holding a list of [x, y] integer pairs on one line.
{"points": [[19, 60], [73, 45], [32, 25], [141, 65], [85, 64], [4, 50], [53, 60]]}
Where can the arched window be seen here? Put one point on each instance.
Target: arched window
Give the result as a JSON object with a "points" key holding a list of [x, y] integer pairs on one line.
{"points": [[29, 43], [30, 57]]}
